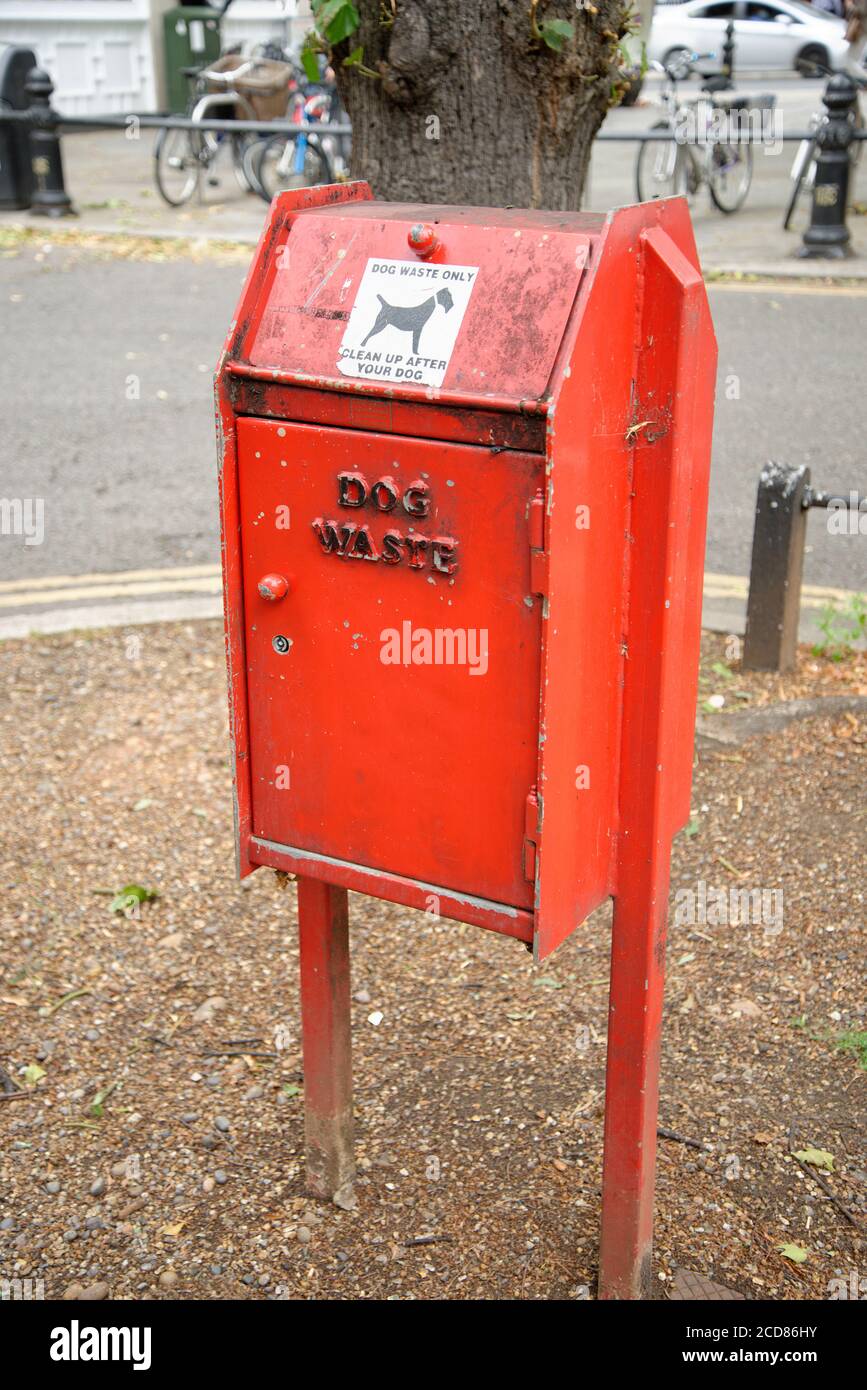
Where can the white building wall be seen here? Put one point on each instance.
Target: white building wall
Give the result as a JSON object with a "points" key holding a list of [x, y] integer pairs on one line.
{"points": [[105, 56]]}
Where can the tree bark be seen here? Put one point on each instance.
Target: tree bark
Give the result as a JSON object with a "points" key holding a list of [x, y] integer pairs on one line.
{"points": [[469, 107]]}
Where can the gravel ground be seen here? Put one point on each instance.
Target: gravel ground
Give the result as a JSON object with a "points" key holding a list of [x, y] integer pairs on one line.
{"points": [[157, 1151]]}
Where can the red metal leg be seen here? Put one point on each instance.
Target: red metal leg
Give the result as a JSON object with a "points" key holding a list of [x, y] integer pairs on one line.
{"points": [[669, 502], [323, 921], [632, 1079]]}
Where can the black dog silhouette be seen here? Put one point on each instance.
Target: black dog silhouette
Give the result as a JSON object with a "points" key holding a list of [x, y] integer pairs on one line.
{"points": [[410, 319]]}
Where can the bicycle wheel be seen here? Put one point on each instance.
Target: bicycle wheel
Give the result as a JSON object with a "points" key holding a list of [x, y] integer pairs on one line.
{"points": [[241, 147], [729, 175], [176, 165], [250, 165], [659, 168], [275, 167], [804, 164]]}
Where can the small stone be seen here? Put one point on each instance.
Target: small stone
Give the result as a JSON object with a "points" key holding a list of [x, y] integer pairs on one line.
{"points": [[264, 1281], [172, 941], [190, 1118], [208, 1185], [7, 1224], [93, 1223], [118, 1170], [210, 1143], [304, 1234], [70, 1235], [222, 1124], [362, 996], [168, 1279], [254, 1093], [72, 1292], [97, 1188], [53, 1187], [220, 1177], [94, 1293], [216, 1269], [92, 1035], [205, 1012]]}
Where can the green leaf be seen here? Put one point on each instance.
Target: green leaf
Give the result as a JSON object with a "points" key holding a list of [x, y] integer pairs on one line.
{"points": [[693, 827], [556, 32], [130, 895], [337, 20], [796, 1253], [32, 1074], [722, 670], [819, 1158], [310, 64], [354, 58], [291, 1090], [548, 982]]}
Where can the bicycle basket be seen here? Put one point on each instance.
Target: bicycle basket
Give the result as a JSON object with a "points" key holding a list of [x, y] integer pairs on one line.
{"points": [[265, 85]]}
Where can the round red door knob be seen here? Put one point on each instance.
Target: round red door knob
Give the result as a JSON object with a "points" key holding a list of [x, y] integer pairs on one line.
{"points": [[274, 587], [422, 239]]}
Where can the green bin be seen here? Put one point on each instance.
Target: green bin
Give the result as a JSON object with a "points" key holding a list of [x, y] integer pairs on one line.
{"points": [[193, 40]]}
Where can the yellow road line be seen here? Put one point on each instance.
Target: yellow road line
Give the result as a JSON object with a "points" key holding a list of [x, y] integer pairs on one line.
{"points": [[784, 287], [62, 581], [737, 586], [206, 579], [174, 586]]}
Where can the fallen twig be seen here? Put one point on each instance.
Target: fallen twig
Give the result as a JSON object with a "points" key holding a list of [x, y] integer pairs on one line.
{"points": [[240, 1052], [48, 1009], [425, 1240], [832, 1196], [679, 1138], [16, 1095]]}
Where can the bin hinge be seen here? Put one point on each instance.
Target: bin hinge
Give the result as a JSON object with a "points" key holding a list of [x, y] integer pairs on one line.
{"points": [[531, 835], [538, 558]]}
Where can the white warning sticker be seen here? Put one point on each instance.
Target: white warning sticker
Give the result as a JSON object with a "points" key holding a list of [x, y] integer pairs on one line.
{"points": [[405, 321]]}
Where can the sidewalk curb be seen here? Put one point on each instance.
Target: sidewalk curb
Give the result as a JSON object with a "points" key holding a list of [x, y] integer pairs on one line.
{"points": [[833, 272], [727, 730]]}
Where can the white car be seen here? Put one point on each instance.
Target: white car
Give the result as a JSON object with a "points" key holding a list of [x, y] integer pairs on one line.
{"points": [[769, 34]]}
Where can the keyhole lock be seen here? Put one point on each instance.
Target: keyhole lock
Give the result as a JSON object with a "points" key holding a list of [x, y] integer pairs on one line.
{"points": [[273, 587], [281, 644]]}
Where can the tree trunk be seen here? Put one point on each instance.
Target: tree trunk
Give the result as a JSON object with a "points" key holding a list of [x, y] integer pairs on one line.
{"points": [[470, 107]]}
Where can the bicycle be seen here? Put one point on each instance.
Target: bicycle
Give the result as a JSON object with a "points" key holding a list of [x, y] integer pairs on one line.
{"points": [[696, 153], [803, 171], [274, 163], [253, 89]]}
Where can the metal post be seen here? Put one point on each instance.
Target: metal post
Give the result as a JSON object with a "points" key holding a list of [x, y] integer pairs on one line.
{"points": [[632, 1069], [774, 602], [50, 198], [728, 53], [827, 236], [323, 923]]}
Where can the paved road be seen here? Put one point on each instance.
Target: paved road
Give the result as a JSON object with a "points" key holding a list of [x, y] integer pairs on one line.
{"points": [[129, 480]]}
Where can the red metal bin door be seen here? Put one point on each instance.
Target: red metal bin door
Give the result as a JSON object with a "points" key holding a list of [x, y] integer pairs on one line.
{"points": [[393, 678]]}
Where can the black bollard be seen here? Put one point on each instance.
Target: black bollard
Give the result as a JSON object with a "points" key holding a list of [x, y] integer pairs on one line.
{"points": [[779, 536], [50, 198], [728, 53], [827, 235]]}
